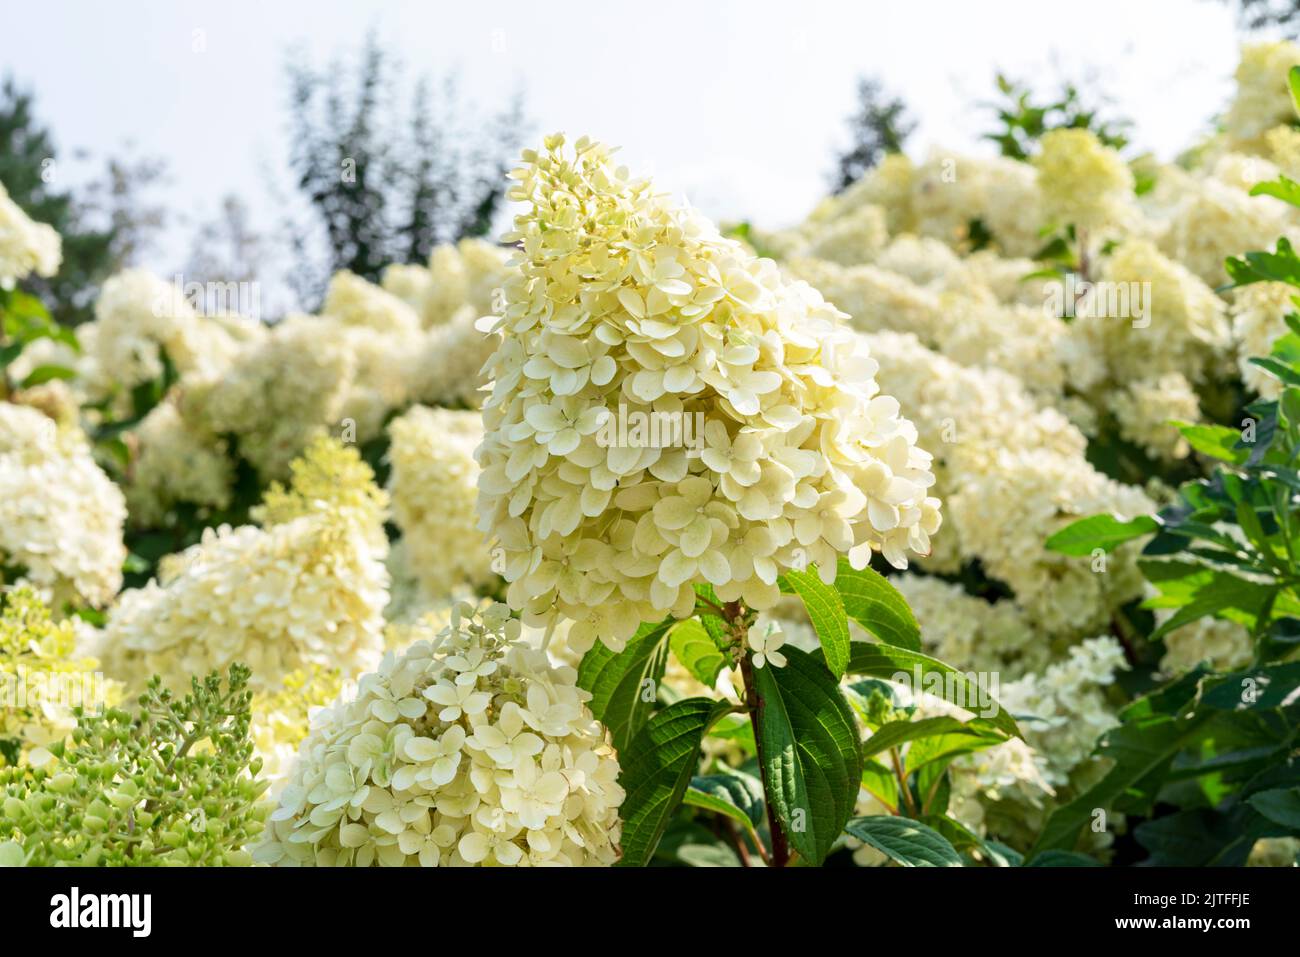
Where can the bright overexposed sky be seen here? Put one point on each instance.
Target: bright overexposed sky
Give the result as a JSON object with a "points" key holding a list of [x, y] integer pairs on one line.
{"points": [[735, 105]]}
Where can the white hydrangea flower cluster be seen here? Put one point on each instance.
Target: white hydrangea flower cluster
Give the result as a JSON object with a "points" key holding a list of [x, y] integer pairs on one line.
{"points": [[1224, 645], [1145, 408], [274, 389], [970, 633], [1216, 218], [282, 719], [433, 486], [1083, 182], [1064, 706], [281, 391], [1188, 329], [174, 464], [471, 749], [950, 192], [26, 246], [354, 302], [463, 279], [955, 313], [140, 322], [450, 295], [1012, 473], [307, 589], [61, 517], [446, 367], [1263, 99], [621, 302]]}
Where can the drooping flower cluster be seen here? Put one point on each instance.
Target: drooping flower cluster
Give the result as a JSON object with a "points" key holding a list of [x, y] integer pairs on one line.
{"points": [[624, 309], [26, 247], [306, 589], [433, 489], [471, 749], [61, 517]]}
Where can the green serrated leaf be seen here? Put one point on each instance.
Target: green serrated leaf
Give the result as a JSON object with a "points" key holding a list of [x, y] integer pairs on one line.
{"points": [[896, 733], [1216, 441], [924, 673], [1138, 749], [697, 650], [623, 684], [876, 605], [1283, 188], [908, 842], [656, 770], [809, 751], [1272, 686], [47, 373], [732, 794], [1063, 859], [826, 612], [1279, 805]]}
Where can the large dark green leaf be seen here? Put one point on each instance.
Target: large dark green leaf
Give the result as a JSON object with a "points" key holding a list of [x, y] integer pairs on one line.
{"points": [[623, 684], [1279, 805], [809, 750], [656, 770], [876, 605], [908, 842], [1272, 686], [923, 673], [826, 612]]}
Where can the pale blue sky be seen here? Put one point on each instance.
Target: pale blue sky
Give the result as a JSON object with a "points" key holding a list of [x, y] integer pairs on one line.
{"points": [[736, 105]]}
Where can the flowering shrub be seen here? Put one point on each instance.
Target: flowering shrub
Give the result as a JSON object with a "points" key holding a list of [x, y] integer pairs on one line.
{"points": [[675, 452]]}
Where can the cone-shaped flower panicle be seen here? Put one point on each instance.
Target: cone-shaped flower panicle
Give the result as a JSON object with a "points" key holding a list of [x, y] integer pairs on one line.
{"points": [[667, 410]]}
